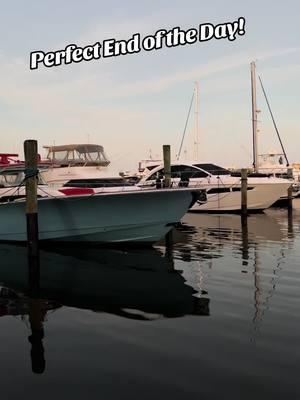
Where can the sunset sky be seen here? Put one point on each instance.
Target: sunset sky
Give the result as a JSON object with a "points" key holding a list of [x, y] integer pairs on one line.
{"points": [[131, 104]]}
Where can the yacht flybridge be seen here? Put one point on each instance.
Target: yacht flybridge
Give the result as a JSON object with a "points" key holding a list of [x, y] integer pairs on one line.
{"points": [[223, 189], [74, 161]]}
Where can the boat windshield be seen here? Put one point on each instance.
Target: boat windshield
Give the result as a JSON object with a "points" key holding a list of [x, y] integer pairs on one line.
{"points": [[14, 178], [179, 171], [213, 169]]}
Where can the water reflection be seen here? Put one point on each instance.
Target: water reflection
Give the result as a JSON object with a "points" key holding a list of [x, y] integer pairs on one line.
{"points": [[136, 284], [260, 242], [205, 236], [106, 280], [212, 265]]}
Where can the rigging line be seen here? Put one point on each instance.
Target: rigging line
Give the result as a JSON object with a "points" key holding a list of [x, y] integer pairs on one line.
{"points": [[186, 122], [274, 123]]}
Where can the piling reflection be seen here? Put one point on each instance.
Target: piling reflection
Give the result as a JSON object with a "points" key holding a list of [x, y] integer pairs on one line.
{"points": [[18, 304], [245, 240]]}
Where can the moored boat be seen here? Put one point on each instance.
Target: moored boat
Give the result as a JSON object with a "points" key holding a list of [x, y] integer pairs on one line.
{"points": [[12, 184], [223, 189], [141, 216]]}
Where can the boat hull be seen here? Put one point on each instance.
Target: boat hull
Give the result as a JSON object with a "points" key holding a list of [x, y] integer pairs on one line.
{"points": [[261, 197], [138, 216]]}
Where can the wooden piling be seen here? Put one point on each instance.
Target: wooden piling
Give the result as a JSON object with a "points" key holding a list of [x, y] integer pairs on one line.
{"points": [[290, 199], [244, 187], [31, 156], [290, 190], [167, 164], [290, 174]]}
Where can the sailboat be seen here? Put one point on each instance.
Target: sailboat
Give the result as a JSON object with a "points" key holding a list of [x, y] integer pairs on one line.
{"points": [[271, 163]]}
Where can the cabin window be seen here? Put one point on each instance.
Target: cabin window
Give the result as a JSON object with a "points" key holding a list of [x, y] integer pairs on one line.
{"points": [[238, 189], [213, 169], [97, 183], [218, 190]]}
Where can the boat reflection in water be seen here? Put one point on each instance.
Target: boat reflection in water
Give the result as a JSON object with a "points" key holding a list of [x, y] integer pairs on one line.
{"points": [[202, 237], [137, 284], [258, 247]]}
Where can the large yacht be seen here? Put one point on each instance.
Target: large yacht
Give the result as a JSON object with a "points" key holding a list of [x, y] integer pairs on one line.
{"points": [[223, 188], [75, 164]]}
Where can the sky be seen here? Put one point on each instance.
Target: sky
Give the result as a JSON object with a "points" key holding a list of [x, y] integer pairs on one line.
{"points": [[133, 104]]}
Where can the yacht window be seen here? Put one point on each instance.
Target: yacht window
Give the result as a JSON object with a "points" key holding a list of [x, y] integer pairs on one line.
{"points": [[238, 189], [151, 167], [213, 169], [187, 172], [218, 190], [180, 171], [98, 183], [282, 175]]}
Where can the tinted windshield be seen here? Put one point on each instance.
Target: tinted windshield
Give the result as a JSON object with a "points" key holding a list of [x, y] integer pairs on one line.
{"points": [[15, 178], [98, 183], [213, 169], [180, 171]]}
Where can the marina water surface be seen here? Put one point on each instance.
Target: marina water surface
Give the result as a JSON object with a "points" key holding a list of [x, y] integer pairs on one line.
{"points": [[215, 315]]}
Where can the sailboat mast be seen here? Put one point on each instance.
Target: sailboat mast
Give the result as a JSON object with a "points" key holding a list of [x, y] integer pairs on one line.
{"points": [[196, 114], [254, 116]]}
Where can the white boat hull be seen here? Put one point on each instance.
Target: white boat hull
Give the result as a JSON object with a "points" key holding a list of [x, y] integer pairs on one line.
{"points": [[143, 216], [261, 197]]}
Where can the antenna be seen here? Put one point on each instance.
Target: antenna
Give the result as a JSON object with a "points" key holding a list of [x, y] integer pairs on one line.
{"points": [[254, 116], [196, 115], [185, 126]]}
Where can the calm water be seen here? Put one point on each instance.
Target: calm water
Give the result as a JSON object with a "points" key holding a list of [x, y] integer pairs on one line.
{"points": [[216, 316]]}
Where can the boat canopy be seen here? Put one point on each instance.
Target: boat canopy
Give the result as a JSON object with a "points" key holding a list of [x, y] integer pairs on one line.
{"points": [[77, 155]]}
